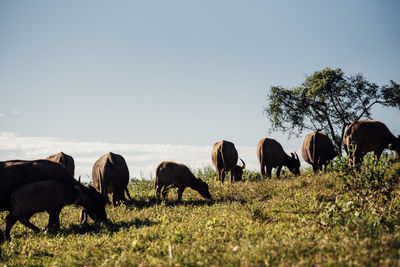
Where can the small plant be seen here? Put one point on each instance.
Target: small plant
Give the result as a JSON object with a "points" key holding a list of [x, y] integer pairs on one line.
{"points": [[207, 173], [251, 175]]}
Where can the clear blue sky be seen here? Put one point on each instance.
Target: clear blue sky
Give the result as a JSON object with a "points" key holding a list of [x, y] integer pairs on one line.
{"points": [[179, 72]]}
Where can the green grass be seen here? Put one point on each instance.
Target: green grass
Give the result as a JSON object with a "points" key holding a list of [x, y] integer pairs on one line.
{"points": [[324, 219]]}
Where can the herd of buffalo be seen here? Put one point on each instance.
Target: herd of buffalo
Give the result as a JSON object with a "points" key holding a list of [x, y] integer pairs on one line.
{"points": [[29, 187]]}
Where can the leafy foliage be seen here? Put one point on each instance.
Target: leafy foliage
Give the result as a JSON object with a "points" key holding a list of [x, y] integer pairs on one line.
{"points": [[328, 100], [368, 203]]}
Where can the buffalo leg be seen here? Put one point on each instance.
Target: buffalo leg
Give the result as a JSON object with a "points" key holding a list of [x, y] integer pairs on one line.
{"points": [[107, 199], [180, 192], [378, 154], [158, 191], [278, 171], [165, 192], [83, 219], [10, 221], [115, 199], [323, 167], [222, 175], [262, 167], [27, 223], [54, 221], [323, 164], [269, 171], [357, 156], [127, 193], [315, 167]]}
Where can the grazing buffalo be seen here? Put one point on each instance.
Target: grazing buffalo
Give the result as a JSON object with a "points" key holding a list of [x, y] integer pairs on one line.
{"points": [[171, 174], [224, 158], [66, 160], [318, 150], [17, 173], [49, 196], [369, 136], [112, 167], [270, 154]]}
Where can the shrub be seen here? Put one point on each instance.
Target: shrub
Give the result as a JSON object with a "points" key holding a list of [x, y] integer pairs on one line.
{"points": [[369, 187]]}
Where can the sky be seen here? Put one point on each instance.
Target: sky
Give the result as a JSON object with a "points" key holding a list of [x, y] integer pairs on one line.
{"points": [[164, 80]]}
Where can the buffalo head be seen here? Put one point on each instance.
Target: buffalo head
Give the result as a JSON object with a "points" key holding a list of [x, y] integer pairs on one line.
{"points": [[238, 171], [203, 189], [294, 164], [396, 145], [95, 206]]}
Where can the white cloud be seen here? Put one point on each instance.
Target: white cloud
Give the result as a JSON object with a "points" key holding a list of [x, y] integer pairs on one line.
{"points": [[16, 112], [142, 159]]}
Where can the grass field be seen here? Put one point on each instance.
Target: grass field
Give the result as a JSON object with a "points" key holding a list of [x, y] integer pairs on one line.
{"points": [[344, 217]]}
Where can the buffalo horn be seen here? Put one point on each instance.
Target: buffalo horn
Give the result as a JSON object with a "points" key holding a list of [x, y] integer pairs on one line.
{"points": [[79, 179], [244, 164], [297, 157]]}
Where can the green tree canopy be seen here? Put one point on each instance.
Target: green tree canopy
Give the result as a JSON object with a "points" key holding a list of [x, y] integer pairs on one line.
{"points": [[328, 100]]}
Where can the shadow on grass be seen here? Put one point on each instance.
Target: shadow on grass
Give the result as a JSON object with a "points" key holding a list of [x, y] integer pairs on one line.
{"points": [[93, 228], [151, 201], [112, 227], [147, 203], [141, 203], [199, 202], [230, 199]]}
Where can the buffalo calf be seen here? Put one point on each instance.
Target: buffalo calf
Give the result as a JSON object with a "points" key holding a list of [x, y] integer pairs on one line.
{"points": [[270, 154], [171, 174], [318, 150], [369, 136], [224, 157], [49, 196], [115, 174]]}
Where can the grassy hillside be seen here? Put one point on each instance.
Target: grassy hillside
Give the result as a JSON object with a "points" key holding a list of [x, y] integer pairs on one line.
{"points": [[345, 216]]}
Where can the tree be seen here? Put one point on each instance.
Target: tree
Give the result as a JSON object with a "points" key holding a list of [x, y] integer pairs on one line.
{"points": [[328, 100]]}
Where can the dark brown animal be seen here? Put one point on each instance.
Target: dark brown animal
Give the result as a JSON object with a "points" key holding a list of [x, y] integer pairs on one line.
{"points": [[224, 158], [171, 174], [112, 167], [66, 160], [49, 196], [369, 136], [318, 150], [16, 173], [270, 154]]}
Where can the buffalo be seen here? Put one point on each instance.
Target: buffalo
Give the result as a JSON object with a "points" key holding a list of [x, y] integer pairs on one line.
{"points": [[114, 171], [49, 196], [318, 150], [66, 160], [270, 154], [170, 174], [17, 173], [224, 158], [369, 136]]}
